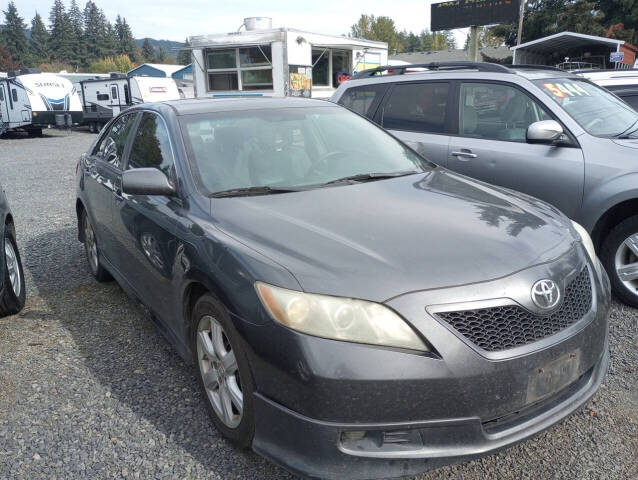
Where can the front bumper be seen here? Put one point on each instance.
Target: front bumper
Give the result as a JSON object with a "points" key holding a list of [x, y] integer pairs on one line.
{"points": [[329, 409]]}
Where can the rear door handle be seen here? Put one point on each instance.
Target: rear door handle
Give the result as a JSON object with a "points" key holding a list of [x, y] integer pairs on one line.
{"points": [[464, 155]]}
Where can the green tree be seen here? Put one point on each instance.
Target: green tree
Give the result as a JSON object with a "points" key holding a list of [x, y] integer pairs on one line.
{"points": [[125, 41], [184, 54], [13, 35], [123, 63], [6, 61], [148, 52], [381, 29], [61, 34], [161, 56], [363, 27], [93, 32], [39, 42], [76, 22], [103, 65]]}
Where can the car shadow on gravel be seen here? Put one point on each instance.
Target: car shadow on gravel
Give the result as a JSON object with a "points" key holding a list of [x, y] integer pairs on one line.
{"points": [[127, 356]]}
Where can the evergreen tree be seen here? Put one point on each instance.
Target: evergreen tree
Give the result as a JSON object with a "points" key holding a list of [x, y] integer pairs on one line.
{"points": [[148, 52], [125, 41], [161, 55], [61, 34], [184, 54], [13, 35], [109, 37], [76, 22], [93, 34], [39, 42]]}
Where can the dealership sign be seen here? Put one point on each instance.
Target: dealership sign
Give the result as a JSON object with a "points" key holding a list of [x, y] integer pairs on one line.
{"points": [[616, 56], [468, 13]]}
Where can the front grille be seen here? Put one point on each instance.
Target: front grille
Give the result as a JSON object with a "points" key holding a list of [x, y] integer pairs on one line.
{"points": [[509, 326]]}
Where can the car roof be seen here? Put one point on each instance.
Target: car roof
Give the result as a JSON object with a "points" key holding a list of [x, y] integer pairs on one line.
{"points": [[194, 106]]}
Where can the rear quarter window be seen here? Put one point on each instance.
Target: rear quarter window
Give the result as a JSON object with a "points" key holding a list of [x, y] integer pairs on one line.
{"points": [[363, 100]]}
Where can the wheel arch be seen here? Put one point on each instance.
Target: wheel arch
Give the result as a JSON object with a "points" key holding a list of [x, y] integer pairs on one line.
{"points": [[612, 217], [9, 223], [79, 210]]}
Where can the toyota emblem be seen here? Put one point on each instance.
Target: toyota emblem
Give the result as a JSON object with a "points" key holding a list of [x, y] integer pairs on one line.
{"points": [[545, 294]]}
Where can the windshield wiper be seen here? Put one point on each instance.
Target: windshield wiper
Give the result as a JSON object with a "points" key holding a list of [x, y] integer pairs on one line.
{"points": [[247, 191], [367, 177]]}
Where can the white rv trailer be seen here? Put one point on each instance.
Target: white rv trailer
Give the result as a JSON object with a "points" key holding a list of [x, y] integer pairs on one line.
{"points": [[31, 100], [266, 61], [103, 98]]}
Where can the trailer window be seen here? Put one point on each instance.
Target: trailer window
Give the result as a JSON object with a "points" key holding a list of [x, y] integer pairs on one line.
{"points": [[114, 92], [330, 67], [14, 94], [245, 68], [102, 96], [1, 95], [127, 98]]}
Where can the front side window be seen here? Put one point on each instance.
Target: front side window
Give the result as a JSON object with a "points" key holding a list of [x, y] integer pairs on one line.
{"points": [[151, 145], [497, 112], [362, 99], [246, 68], [417, 107], [596, 110], [111, 147], [292, 147]]}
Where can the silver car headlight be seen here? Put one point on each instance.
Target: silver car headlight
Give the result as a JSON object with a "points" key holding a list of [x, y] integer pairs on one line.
{"points": [[587, 243], [338, 318]]}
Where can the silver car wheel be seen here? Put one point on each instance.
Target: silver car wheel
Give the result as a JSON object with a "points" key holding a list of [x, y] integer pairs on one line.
{"points": [[90, 244], [626, 263], [220, 372], [13, 267]]}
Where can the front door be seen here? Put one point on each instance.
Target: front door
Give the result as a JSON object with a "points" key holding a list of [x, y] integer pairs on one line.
{"points": [[146, 224], [103, 181], [491, 146]]}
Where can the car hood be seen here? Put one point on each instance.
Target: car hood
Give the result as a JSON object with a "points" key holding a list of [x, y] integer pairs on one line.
{"points": [[381, 239], [629, 142]]}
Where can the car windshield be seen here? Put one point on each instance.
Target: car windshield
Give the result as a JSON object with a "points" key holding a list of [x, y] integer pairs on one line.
{"points": [[271, 150], [595, 109]]}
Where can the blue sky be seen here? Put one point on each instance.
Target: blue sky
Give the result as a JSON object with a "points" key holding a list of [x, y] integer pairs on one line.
{"points": [[168, 19]]}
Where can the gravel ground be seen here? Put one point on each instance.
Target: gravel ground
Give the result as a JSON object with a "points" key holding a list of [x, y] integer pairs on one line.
{"points": [[89, 388]]}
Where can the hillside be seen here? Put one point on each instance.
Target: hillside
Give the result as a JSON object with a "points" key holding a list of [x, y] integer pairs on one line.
{"points": [[170, 46]]}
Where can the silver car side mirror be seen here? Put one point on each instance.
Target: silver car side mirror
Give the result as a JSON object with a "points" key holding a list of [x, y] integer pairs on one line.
{"points": [[146, 181], [545, 131]]}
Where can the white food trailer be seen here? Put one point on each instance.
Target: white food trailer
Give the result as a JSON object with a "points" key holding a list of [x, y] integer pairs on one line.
{"points": [[266, 61], [30, 100], [104, 98]]}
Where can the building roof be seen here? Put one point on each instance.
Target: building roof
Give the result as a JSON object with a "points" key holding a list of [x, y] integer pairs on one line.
{"points": [[163, 67], [499, 53], [564, 40], [185, 67]]}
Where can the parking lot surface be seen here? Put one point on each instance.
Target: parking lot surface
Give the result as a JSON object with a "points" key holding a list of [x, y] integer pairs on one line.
{"points": [[90, 389]]}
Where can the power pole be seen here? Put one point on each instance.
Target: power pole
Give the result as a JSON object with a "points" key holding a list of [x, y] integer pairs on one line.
{"points": [[521, 12], [474, 44]]}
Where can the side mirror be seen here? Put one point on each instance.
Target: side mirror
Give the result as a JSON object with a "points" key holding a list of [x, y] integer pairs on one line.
{"points": [[545, 131], [146, 181]]}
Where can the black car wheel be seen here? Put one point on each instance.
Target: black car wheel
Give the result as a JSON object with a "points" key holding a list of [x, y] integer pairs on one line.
{"points": [[14, 293], [619, 255], [223, 371], [92, 251]]}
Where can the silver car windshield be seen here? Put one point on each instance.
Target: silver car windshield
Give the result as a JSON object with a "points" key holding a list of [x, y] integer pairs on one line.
{"points": [[275, 149], [595, 109]]}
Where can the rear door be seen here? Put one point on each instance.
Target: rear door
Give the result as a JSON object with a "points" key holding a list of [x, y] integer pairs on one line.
{"points": [[419, 114], [491, 146], [145, 224], [104, 181]]}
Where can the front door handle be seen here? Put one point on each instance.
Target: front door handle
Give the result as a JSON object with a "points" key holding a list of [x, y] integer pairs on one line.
{"points": [[464, 155]]}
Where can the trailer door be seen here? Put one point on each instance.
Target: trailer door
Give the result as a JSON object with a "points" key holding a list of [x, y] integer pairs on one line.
{"points": [[116, 104], [4, 103]]}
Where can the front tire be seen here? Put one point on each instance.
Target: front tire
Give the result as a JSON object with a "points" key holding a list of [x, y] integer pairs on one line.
{"points": [[223, 371], [619, 255], [14, 293], [92, 251]]}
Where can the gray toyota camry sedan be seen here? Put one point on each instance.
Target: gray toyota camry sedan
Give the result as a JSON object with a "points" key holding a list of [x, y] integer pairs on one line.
{"points": [[351, 310]]}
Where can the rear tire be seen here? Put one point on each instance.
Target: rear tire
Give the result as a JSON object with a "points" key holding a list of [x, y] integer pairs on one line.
{"points": [[34, 132], [619, 256], [92, 251], [92, 127], [14, 292], [214, 338]]}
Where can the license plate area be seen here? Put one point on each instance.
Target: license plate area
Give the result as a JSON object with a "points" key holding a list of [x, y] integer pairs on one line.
{"points": [[553, 377]]}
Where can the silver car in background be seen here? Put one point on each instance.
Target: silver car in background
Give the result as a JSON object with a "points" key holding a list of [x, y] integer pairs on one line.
{"points": [[538, 130]]}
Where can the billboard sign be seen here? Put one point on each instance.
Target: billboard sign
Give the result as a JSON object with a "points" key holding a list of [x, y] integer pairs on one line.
{"points": [[468, 13], [616, 56]]}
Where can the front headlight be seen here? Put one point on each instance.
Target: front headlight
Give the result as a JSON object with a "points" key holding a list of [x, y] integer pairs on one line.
{"points": [[586, 239], [338, 318]]}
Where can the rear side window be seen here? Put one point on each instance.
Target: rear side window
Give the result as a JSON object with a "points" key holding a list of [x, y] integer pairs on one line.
{"points": [[417, 107], [363, 100], [111, 147], [102, 96], [151, 146]]}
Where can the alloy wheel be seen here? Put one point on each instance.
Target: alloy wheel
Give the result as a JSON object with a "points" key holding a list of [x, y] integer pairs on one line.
{"points": [[220, 372], [626, 263], [13, 267]]}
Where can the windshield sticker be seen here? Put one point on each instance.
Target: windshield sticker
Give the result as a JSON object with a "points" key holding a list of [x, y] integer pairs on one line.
{"points": [[565, 89]]}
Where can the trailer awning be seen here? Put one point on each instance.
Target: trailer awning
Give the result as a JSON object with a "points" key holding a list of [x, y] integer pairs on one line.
{"points": [[566, 40]]}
